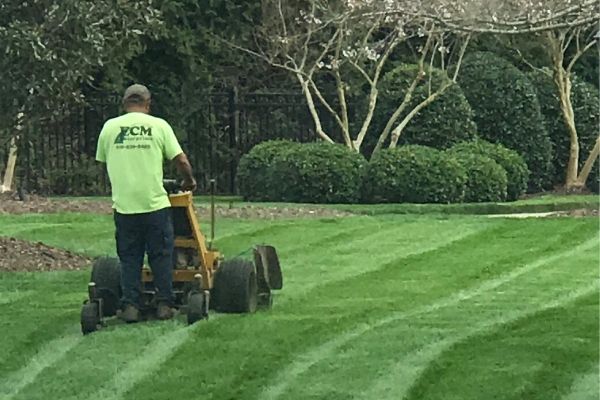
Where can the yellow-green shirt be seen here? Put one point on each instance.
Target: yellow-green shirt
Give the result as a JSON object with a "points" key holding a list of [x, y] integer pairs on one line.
{"points": [[134, 146]]}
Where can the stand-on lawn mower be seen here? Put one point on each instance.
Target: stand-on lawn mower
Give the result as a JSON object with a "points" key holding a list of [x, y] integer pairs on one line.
{"points": [[202, 279]]}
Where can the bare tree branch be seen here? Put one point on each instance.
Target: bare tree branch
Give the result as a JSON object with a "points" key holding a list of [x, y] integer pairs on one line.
{"points": [[323, 53], [580, 53], [325, 103], [461, 55], [341, 90], [407, 97], [313, 109], [374, 91], [430, 99]]}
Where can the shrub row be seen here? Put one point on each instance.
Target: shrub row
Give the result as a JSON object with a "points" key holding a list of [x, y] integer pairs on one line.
{"points": [[319, 173], [304, 173]]}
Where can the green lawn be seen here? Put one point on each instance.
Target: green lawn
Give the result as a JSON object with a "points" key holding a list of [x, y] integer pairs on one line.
{"points": [[373, 307], [542, 203]]}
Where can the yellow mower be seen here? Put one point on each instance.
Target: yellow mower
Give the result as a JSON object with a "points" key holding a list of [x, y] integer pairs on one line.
{"points": [[202, 278]]}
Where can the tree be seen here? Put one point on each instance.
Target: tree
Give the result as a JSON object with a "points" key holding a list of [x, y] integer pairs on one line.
{"points": [[585, 99], [51, 50], [567, 29], [322, 43]]}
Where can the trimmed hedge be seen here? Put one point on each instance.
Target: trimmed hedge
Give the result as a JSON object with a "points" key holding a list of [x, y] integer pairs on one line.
{"points": [[446, 121], [585, 99], [516, 169], [414, 174], [486, 179], [507, 111], [255, 167], [318, 173]]}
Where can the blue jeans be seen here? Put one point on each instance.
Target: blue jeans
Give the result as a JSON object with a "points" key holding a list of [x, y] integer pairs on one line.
{"points": [[137, 234]]}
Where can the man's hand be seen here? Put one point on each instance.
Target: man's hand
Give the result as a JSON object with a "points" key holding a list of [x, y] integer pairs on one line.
{"points": [[185, 169], [189, 184]]}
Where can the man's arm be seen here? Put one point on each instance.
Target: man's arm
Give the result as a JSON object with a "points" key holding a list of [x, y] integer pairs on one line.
{"points": [[185, 169], [172, 151], [101, 148]]}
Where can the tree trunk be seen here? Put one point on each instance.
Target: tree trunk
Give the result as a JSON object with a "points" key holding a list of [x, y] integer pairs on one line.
{"points": [[10, 167], [313, 110], [367, 122], [562, 79], [589, 164], [398, 130], [388, 127], [563, 82]]}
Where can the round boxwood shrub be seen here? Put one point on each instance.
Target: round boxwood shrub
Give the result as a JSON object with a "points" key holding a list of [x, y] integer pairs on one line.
{"points": [[585, 100], [507, 111], [318, 173], [414, 174], [254, 170], [516, 169], [447, 120], [486, 179]]}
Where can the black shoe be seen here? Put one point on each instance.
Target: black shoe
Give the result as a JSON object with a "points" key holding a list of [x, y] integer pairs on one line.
{"points": [[164, 311], [130, 314]]}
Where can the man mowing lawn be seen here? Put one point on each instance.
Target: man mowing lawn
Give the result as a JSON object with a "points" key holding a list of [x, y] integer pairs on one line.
{"points": [[134, 146]]}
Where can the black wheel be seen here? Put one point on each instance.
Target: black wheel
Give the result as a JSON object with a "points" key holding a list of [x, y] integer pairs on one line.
{"points": [[89, 318], [235, 287], [106, 274], [196, 309]]}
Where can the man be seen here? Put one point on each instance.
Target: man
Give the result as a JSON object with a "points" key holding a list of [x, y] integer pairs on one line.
{"points": [[134, 146]]}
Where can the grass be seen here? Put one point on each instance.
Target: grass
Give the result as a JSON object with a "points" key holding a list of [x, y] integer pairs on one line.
{"points": [[541, 203], [373, 307]]}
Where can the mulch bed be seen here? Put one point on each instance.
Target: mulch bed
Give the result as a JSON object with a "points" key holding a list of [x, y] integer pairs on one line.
{"points": [[21, 255], [11, 204]]}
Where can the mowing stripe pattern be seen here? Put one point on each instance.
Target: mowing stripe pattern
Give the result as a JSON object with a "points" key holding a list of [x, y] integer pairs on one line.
{"points": [[307, 360], [386, 307], [153, 355], [587, 387], [49, 355]]}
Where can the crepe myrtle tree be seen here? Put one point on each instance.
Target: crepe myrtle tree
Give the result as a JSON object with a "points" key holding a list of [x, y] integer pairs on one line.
{"points": [[565, 47], [51, 49], [566, 30], [320, 42]]}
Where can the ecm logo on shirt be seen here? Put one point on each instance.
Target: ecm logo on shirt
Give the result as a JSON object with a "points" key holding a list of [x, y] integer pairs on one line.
{"points": [[133, 133]]}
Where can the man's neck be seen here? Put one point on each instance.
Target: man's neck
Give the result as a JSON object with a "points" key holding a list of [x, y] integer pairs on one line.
{"points": [[136, 109]]}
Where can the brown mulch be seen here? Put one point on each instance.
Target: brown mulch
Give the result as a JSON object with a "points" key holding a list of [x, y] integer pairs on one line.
{"points": [[11, 204], [21, 255]]}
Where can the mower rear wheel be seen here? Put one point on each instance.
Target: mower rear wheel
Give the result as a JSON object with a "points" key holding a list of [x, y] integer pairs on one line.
{"points": [[89, 318], [196, 310], [106, 274], [235, 287]]}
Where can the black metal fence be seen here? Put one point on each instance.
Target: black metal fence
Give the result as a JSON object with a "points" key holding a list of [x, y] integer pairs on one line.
{"points": [[57, 156]]}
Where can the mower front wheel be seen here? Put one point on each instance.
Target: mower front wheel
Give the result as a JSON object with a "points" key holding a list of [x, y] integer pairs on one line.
{"points": [[90, 319], [196, 308]]}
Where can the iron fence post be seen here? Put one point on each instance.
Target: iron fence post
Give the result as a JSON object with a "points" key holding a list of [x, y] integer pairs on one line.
{"points": [[234, 131]]}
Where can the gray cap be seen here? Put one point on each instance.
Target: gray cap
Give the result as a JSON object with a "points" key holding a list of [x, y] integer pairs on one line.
{"points": [[137, 90]]}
